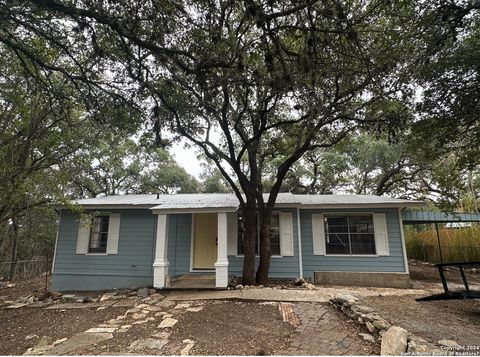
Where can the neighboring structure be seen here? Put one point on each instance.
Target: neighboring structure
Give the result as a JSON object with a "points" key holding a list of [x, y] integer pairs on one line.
{"points": [[144, 240]]}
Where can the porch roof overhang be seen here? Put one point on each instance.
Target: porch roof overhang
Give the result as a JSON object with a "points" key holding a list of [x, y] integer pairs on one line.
{"points": [[425, 217]]}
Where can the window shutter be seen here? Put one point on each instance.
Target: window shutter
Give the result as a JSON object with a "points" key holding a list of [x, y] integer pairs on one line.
{"points": [[232, 228], [113, 233], [83, 238], [286, 234], [381, 235], [318, 234]]}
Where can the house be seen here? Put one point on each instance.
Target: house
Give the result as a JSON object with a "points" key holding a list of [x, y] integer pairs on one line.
{"points": [[146, 240]]}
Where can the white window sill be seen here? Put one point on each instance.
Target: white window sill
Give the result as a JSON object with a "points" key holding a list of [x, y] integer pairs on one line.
{"points": [[96, 254]]}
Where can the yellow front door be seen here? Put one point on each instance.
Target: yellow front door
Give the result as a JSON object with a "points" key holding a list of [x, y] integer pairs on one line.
{"points": [[205, 241]]}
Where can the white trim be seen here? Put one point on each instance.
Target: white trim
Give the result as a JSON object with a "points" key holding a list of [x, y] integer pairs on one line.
{"points": [[362, 272], [96, 254], [56, 241], [402, 237], [299, 245]]}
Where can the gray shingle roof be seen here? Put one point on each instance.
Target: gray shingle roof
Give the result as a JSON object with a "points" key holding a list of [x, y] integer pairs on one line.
{"points": [[225, 200]]}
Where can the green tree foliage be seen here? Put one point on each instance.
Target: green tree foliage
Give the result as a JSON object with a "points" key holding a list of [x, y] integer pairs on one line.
{"points": [[276, 80], [119, 165]]}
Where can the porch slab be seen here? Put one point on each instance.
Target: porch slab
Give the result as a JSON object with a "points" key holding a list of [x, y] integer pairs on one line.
{"points": [[193, 281]]}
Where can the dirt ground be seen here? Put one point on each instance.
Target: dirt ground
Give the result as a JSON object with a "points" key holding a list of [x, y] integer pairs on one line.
{"points": [[457, 320], [17, 324]]}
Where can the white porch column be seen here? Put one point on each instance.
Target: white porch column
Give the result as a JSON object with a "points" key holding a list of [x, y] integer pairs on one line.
{"points": [[221, 266], [160, 264]]}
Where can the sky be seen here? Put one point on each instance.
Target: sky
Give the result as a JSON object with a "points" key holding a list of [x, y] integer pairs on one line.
{"points": [[187, 158]]}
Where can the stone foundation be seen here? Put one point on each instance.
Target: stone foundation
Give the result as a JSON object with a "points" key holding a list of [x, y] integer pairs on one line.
{"points": [[382, 280]]}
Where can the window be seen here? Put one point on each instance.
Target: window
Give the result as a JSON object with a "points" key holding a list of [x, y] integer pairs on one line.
{"points": [[274, 234], [349, 234], [99, 235]]}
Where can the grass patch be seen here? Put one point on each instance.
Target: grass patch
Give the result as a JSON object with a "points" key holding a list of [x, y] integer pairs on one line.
{"points": [[458, 245]]}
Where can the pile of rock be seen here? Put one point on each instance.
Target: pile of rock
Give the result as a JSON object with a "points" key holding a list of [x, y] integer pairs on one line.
{"points": [[394, 339]]}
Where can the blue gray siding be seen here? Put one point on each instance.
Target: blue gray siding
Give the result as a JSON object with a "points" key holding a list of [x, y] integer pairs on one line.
{"points": [[284, 267], [132, 266], [392, 263], [179, 243]]}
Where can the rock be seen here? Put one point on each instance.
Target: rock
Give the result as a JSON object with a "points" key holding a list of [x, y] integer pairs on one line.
{"points": [[362, 309], [195, 309], [161, 313], [308, 286], [44, 341], [233, 282], [108, 296], [165, 304], [120, 317], [10, 285], [30, 300], [29, 337], [344, 298], [148, 298], [142, 306], [143, 292], [57, 342], [167, 323], [373, 316], [239, 287], [16, 305], [101, 330], [394, 342], [138, 316], [284, 287], [54, 295], [370, 327], [69, 298], [448, 343], [367, 337], [126, 326], [418, 345], [181, 306], [189, 345], [154, 308], [87, 299], [381, 324], [299, 281], [147, 343], [101, 308], [166, 316], [259, 286], [162, 335]]}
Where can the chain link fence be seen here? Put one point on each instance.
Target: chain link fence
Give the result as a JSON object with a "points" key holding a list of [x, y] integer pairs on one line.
{"points": [[25, 269]]}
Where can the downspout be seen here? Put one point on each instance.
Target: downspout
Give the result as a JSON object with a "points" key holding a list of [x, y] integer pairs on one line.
{"points": [[299, 236]]}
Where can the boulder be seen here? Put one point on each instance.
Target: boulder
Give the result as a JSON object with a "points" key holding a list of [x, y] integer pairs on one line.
{"points": [[394, 341], [239, 287], [107, 296], [308, 286], [360, 309]]}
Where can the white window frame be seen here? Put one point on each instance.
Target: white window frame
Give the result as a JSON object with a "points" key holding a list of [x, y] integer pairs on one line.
{"points": [[333, 214]]}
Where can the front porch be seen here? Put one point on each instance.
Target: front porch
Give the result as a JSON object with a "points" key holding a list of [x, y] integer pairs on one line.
{"points": [[203, 251]]}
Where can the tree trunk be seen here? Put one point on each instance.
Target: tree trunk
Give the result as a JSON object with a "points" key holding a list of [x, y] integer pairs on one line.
{"points": [[249, 242], [265, 253], [14, 251]]}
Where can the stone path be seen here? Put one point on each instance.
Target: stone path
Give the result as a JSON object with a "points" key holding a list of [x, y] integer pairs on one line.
{"points": [[320, 294], [323, 331]]}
